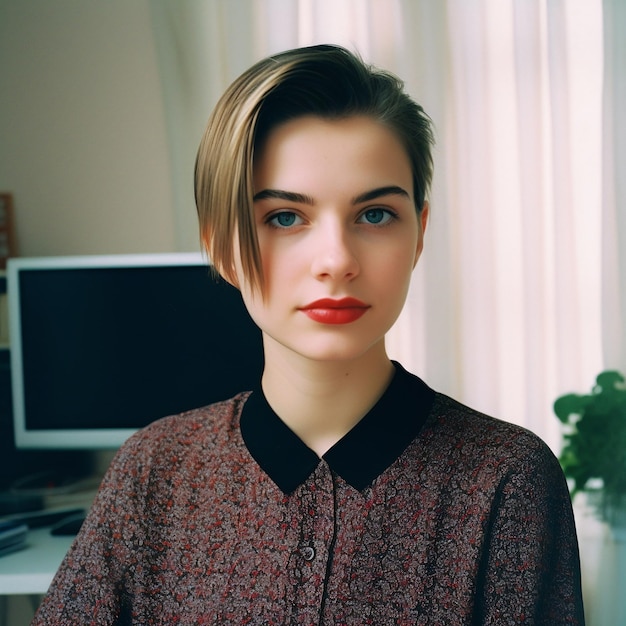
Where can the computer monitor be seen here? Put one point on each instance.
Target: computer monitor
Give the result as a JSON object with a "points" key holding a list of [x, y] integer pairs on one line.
{"points": [[103, 345]]}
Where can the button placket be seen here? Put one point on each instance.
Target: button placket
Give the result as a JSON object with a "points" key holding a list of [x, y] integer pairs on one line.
{"points": [[310, 555]]}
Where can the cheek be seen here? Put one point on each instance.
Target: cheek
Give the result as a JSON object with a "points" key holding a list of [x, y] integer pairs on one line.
{"points": [[394, 280], [282, 266], [280, 278], [397, 261]]}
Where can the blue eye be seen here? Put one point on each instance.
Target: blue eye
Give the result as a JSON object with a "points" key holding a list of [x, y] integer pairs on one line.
{"points": [[284, 219], [376, 216]]}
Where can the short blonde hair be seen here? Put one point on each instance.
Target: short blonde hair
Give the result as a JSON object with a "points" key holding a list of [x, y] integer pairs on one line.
{"points": [[327, 81]]}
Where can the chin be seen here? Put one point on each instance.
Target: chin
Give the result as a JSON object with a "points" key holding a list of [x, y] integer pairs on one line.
{"points": [[334, 351]]}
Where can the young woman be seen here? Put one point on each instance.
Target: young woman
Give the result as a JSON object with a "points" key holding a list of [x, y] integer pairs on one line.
{"points": [[343, 490]]}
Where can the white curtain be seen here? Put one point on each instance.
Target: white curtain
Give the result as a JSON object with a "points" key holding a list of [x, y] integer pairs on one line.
{"points": [[505, 312], [614, 184], [521, 146]]}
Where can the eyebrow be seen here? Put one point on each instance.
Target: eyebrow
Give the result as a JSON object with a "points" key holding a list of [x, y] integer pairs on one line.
{"points": [[380, 192], [279, 194], [301, 198]]}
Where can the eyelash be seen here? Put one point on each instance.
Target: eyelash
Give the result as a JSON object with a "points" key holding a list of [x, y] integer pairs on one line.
{"points": [[391, 215], [271, 220]]}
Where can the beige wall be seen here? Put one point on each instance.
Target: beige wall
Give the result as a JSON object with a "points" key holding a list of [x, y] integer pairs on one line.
{"points": [[82, 130]]}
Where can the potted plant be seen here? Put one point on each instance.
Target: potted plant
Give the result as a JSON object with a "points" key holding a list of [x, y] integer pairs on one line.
{"points": [[594, 454]]}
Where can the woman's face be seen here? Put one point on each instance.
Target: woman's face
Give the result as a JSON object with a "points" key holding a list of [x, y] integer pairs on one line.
{"points": [[338, 234]]}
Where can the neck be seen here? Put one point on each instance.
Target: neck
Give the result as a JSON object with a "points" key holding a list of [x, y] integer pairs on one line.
{"points": [[321, 401]]}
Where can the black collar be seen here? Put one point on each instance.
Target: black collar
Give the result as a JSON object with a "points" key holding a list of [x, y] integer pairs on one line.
{"points": [[360, 456]]}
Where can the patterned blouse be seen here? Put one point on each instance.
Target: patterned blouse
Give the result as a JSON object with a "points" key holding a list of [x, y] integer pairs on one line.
{"points": [[426, 513]]}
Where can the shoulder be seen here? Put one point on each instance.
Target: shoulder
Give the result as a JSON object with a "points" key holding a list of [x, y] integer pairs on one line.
{"points": [[204, 431], [204, 423], [455, 439], [157, 464], [484, 446], [455, 420]]}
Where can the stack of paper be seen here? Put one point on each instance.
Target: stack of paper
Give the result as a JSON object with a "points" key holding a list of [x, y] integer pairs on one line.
{"points": [[12, 536]]}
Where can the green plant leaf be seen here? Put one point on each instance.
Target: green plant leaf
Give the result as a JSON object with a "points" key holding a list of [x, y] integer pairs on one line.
{"points": [[595, 437], [570, 404]]}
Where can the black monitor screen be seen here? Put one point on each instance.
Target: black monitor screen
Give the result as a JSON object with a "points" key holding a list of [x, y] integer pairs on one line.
{"points": [[116, 347]]}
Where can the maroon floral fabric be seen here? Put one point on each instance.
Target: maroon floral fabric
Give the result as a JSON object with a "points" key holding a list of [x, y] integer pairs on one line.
{"points": [[471, 525]]}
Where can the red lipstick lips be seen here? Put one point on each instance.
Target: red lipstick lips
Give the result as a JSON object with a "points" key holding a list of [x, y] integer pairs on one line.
{"points": [[330, 311]]}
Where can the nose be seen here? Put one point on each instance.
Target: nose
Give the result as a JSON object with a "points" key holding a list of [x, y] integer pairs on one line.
{"points": [[334, 254]]}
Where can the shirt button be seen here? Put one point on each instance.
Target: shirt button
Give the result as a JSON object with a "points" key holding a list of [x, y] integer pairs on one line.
{"points": [[308, 553]]}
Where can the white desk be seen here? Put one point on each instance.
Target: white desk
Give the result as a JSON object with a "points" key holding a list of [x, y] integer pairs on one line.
{"points": [[30, 571]]}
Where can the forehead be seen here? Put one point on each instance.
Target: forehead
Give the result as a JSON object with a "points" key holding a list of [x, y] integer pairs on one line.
{"points": [[349, 152]]}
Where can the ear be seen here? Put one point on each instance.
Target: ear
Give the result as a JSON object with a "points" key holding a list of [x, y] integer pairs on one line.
{"points": [[422, 223], [423, 216]]}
